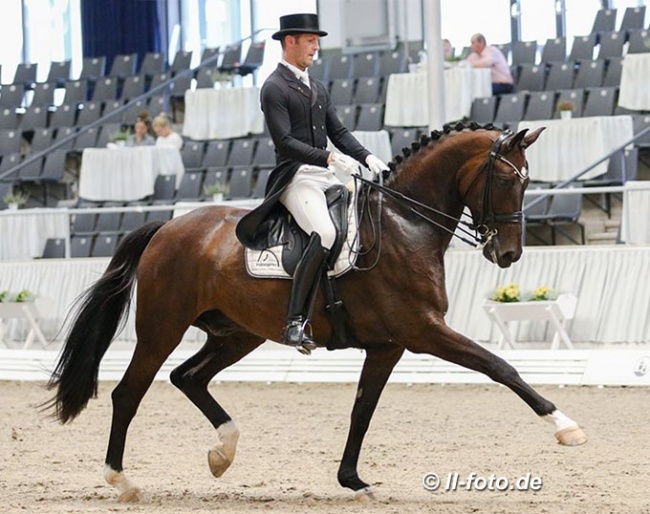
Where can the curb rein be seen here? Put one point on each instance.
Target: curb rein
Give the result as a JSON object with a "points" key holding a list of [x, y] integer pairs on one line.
{"points": [[480, 232]]}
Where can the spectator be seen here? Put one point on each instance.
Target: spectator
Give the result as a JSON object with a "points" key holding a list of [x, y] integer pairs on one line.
{"points": [[484, 56], [166, 135], [141, 135]]}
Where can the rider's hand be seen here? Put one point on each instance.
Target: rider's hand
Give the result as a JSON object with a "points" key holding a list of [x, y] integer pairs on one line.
{"points": [[375, 165], [344, 163]]}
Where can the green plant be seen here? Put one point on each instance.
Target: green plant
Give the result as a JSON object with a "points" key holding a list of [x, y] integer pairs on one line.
{"points": [[21, 297], [17, 198], [120, 135], [507, 294], [24, 296], [215, 189], [565, 105], [540, 294], [512, 293]]}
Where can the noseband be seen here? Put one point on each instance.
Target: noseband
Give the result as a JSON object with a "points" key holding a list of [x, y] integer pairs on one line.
{"points": [[487, 214]]}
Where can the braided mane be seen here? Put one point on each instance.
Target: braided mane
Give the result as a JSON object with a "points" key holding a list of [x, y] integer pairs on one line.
{"points": [[425, 140]]}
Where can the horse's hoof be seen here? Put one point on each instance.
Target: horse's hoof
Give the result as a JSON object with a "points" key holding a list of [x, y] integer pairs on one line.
{"points": [[572, 436], [366, 495], [131, 496], [218, 463]]}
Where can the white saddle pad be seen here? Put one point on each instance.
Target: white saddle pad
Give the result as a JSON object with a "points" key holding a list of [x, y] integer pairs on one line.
{"points": [[268, 263]]}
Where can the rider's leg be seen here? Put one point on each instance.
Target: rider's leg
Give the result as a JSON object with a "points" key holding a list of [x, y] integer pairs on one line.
{"points": [[305, 200]]}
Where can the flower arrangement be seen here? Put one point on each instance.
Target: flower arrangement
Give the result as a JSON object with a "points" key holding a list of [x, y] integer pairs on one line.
{"points": [[16, 198], [512, 293], [20, 297], [215, 189], [507, 294], [565, 105], [120, 135]]}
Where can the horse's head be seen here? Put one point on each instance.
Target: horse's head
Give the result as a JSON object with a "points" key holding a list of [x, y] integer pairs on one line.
{"points": [[493, 186]]}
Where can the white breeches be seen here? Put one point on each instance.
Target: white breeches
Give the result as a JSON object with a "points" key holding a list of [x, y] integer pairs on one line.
{"points": [[304, 198]]}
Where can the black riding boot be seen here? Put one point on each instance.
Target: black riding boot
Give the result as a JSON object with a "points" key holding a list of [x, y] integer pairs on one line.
{"points": [[303, 293]]}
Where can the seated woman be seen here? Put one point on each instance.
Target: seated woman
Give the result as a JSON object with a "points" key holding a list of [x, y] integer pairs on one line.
{"points": [[141, 135], [166, 135]]}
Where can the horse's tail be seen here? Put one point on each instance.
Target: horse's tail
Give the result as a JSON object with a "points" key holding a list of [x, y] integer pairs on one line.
{"points": [[100, 310]]}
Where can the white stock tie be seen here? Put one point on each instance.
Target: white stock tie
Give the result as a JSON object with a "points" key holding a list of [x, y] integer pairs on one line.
{"points": [[303, 76]]}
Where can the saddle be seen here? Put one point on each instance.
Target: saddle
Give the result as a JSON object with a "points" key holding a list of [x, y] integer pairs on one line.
{"points": [[287, 241], [286, 244]]}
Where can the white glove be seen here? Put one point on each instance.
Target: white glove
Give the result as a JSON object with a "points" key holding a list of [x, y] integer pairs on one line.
{"points": [[345, 164], [375, 164]]}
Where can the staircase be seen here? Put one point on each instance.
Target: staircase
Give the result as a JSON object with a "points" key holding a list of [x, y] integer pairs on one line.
{"points": [[599, 228]]}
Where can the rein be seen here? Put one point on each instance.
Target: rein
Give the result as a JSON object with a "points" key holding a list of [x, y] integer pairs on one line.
{"points": [[479, 232]]}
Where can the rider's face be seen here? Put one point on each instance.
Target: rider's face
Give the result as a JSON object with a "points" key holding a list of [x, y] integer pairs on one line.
{"points": [[301, 49]]}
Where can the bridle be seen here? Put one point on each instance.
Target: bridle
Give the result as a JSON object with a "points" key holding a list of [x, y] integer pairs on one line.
{"points": [[487, 214], [478, 231]]}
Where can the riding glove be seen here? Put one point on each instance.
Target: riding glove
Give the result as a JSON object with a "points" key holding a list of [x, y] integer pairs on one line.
{"points": [[345, 164], [375, 164]]}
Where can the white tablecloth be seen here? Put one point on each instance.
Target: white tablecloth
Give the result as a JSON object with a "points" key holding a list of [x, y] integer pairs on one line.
{"points": [[635, 226], [407, 95], [222, 113], [568, 146], [376, 142], [635, 77], [23, 233], [126, 174]]}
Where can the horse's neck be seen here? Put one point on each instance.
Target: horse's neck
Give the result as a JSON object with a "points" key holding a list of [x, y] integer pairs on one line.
{"points": [[429, 180]]}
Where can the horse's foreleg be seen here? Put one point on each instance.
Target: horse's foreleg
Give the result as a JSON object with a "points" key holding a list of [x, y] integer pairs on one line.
{"points": [[145, 363], [192, 378], [453, 347], [377, 367]]}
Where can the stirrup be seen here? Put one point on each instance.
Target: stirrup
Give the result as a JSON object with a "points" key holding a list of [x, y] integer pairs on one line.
{"points": [[294, 335]]}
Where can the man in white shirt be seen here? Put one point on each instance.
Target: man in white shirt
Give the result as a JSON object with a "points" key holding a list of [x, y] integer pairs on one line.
{"points": [[484, 56]]}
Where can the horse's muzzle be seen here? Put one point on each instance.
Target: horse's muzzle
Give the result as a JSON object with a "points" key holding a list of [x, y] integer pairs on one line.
{"points": [[502, 257]]}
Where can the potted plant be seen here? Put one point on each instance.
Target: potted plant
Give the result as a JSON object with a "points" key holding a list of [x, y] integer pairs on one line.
{"points": [[14, 200], [120, 137], [566, 108], [216, 191]]}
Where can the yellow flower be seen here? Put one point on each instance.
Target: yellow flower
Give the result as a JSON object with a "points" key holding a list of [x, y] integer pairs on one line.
{"points": [[508, 293], [541, 293]]}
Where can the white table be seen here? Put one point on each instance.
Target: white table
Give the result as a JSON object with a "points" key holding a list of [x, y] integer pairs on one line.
{"points": [[23, 233], [126, 174], [568, 146], [558, 312], [407, 95], [635, 226], [634, 93], [222, 113], [32, 312], [376, 142]]}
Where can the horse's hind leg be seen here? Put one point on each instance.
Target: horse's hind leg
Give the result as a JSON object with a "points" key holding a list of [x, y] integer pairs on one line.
{"points": [[192, 378], [149, 355], [454, 347]]}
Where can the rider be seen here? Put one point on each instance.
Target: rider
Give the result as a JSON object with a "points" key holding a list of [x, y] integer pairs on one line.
{"points": [[300, 118]]}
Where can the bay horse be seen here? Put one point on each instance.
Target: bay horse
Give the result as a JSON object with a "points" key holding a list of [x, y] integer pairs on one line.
{"points": [[190, 271]]}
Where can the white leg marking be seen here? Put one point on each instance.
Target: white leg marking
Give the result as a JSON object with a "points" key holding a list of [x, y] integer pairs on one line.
{"points": [[567, 431], [129, 492], [220, 457]]}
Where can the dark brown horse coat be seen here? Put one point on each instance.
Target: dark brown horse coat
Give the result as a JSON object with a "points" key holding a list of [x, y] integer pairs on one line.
{"points": [[300, 119]]}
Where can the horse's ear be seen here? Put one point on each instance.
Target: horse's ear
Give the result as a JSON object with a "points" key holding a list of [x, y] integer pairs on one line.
{"points": [[529, 139]]}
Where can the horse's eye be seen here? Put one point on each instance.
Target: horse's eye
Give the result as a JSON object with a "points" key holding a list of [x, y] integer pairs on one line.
{"points": [[505, 182]]}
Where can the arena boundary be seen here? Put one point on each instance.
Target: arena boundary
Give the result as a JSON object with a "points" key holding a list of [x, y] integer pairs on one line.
{"points": [[273, 363]]}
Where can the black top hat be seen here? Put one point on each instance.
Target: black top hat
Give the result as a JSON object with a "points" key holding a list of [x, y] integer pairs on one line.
{"points": [[298, 24]]}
